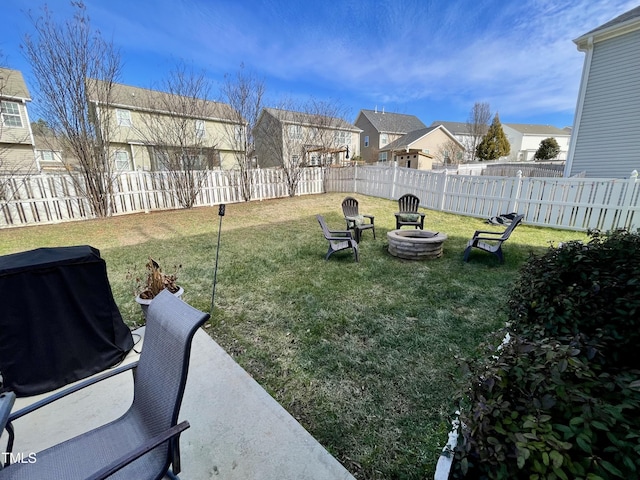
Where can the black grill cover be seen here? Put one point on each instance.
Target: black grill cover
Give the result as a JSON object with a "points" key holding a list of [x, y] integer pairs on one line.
{"points": [[59, 322]]}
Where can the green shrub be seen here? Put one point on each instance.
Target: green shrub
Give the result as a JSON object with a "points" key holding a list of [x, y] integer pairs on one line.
{"points": [[592, 289], [560, 398], [543, 410]]}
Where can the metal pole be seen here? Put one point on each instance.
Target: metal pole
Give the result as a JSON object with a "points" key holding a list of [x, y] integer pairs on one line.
{"points": [[215, 272]]}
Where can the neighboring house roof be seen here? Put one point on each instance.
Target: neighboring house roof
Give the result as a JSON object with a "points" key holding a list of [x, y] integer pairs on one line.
{"points": [[461, 128], [410, 138], [530, 129], [12, 85], [136, 98], [626, 19], [457, 128], [398, 123], [308, 119]]}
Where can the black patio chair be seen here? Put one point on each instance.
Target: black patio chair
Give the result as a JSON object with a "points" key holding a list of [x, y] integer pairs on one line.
{"points": [[355, 220], [338, 239], [407, 213], [494, 239], [143, 443]]}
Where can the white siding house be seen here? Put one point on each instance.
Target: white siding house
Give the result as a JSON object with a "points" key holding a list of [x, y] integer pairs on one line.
{"points": [[606, 134], [525, 140], [16, 138]]}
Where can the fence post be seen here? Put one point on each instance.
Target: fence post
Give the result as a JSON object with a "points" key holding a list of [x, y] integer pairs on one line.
{"points": [[443, 190], [146, 201], [355, 178], [627, 201], [393, 183], [516, 197]]}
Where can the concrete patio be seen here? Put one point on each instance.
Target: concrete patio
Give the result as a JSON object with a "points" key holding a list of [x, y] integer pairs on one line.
{"points": [[238, 431]]}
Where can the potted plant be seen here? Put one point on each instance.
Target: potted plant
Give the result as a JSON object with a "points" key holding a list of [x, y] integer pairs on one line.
{"points": [[156, 281]]}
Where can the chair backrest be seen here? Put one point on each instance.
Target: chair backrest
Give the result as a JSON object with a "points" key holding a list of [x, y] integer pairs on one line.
{"points": [[408, 203], [323, 225], [162, 370], [350, 207], [514, 223]]}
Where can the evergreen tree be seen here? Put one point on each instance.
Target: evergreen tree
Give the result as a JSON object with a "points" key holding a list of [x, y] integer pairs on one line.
{"points": [[547, 150], [494, 144]]}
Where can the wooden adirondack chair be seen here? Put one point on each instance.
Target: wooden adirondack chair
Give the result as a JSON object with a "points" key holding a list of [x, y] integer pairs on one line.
{"points": [[495, 239], [338, 239], [408, 212]]}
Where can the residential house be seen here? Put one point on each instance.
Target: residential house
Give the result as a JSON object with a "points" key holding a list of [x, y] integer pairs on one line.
{"points": [[420, 148], [462, 132], [606, 132], [380, 128], [16, 139], [525, 140], [146, 126], [285, 137]]}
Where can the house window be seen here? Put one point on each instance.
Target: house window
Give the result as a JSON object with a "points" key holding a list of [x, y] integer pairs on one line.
{"points": [[295, 132], [382, 156], [295, 159], [384, 139], [200, 130], [121, 158], [366, 141], [342, 138], [123, 117], [239, 135], [50, 156], [161, 160], [11, 114]]}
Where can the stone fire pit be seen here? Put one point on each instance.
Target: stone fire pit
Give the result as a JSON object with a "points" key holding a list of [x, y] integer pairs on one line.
{"points": [[415, 244]]}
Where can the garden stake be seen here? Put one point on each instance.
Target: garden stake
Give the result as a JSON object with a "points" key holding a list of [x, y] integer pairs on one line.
{"points": [[215, 271]]}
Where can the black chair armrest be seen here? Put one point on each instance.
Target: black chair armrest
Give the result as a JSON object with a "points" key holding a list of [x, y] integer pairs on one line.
{"points": [[494, 239], [486, 232], [340, 235], [141, 450], [369, 217], [68, 391]]}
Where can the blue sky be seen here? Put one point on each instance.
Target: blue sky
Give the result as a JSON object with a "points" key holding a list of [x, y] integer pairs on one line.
{"points": [[433, 59]]}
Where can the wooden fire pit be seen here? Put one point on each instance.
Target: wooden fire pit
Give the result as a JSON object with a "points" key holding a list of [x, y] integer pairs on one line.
{"points": [[415, 244]]}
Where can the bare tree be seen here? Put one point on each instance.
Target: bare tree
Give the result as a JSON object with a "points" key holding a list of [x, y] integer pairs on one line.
{"points": [[244, 93], [330, 139], [64, 57], [311, 134], [449, 153], [477, 127], [174, 128]]}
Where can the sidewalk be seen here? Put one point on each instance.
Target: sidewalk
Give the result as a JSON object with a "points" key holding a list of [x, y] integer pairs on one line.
{"points": [[238, 431]]}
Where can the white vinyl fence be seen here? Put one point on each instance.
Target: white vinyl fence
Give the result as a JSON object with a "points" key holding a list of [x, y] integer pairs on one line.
{"points": [[567, 203], [52, 198]]}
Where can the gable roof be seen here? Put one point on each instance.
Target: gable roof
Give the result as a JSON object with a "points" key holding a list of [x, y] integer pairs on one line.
{"points": [[628, 20], [308, 119], [398, 123], [457, 128], [530, 129], [12, 85], [408, 139], [136, 98]]}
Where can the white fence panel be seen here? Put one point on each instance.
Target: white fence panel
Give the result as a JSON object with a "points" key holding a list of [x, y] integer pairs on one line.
{"points": [[53, 198], [571, 203]]}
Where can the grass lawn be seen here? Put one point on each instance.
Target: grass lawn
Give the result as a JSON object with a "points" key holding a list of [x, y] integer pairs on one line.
{"points": [[362, 354]]}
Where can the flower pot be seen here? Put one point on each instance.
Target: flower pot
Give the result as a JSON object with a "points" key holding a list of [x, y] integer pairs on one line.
{"points": [[144, 303]]}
